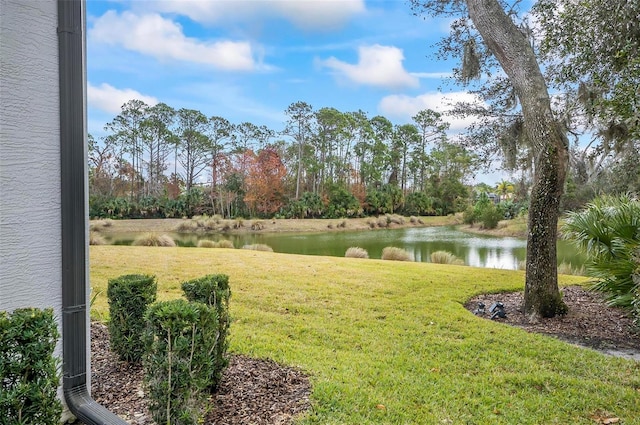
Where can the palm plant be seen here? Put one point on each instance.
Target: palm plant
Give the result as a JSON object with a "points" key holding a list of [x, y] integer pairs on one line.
{"points": [[608, 231]]}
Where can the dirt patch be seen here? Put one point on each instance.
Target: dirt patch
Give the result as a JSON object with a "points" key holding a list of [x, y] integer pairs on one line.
{"points": [[252, 391], [589, 322]]}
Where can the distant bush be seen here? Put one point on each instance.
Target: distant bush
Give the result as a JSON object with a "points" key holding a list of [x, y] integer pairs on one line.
{"points": [[356, 252], [257, 225], [187, 226], [490, 217], [382, 221], [258, 247], [151, 239], [470, 215], [96, 239], [206, 243], [29, 376], [445, 257], [129, 296], [396, 254], [214, 291], [395, 219], [180, 338]]}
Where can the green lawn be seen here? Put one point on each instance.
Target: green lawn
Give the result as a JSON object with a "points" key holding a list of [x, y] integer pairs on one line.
{"points": [[374, 333]]}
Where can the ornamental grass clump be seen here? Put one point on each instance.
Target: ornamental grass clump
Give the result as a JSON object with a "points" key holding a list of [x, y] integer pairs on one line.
{"points": [[445, 257], [29, 376], [206, 243], [180, 340], [356, 252], [213, 290], [225, 243], [129, 296], [96, 238], [396, 254], [151, 239]]}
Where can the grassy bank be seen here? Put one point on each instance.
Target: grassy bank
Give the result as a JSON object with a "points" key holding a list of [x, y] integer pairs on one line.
{"points": [[390, 342]]}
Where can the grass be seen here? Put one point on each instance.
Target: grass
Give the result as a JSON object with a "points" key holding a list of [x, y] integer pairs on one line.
{"points": [[152, 239], [394, 253], [356, 252], [394, 334], [446, 257]]}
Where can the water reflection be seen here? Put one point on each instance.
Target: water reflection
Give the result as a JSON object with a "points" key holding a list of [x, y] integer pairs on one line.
{"points": [[475, 250]]}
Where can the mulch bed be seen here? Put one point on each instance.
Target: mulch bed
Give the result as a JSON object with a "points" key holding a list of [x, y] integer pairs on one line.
{"points": [[589, 322], [262, 392], [252, 391]]}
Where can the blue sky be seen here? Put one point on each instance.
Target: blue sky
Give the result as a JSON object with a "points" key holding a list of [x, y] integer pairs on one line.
{"points": [[249, 60]]}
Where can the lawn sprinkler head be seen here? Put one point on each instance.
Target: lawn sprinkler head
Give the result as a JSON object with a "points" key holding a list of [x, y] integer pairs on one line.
{"points": [[480, 310], [497, 310]]}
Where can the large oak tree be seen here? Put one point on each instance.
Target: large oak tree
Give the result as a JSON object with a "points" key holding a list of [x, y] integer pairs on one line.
{"points": [[510, 46]]}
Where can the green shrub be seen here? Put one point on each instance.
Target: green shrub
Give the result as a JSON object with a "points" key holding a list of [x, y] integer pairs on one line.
{"points": [[180, 339], [469, 216], [396, 254], [129, 296], [608, 231], [490, 217], [445, 257], [356, 252], [29, 376], [151, 239], [213, 290], [258, 247]]}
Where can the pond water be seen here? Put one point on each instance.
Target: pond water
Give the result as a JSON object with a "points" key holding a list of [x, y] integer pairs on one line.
{"points": [[475, 250]]}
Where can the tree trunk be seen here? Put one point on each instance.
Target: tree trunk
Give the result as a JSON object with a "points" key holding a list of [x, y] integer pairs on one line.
{"points": [[550, 145]]}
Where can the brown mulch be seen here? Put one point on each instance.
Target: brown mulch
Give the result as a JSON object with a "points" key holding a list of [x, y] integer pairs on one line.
{"points": [[589, 322], [262, 392], [252, 391]]}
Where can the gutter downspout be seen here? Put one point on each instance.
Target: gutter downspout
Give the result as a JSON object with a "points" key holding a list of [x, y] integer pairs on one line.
{"points": [[74, 213]]}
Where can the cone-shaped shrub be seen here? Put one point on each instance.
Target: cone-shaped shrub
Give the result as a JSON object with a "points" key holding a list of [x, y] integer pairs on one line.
{"points": [[129, 296], [180, 341], [213, 290]]}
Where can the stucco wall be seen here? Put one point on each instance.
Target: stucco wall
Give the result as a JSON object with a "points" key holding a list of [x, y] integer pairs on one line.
{"points": [[30, 240]]}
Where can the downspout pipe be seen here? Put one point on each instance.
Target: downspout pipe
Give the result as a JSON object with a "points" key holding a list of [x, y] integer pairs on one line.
{"points": [[74, 217]]}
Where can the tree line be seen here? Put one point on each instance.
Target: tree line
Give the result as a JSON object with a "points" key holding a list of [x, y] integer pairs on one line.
{"points": [[156, 161]]}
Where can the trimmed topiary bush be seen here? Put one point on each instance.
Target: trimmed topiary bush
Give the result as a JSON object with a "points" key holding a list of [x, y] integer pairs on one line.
{"points": [[396, 254], [129, 296], [29, 376], [180, 340], [214, 291], [356, 252]]}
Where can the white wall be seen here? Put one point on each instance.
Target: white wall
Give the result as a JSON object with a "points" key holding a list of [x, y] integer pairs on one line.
{"points": [[30, 240]]}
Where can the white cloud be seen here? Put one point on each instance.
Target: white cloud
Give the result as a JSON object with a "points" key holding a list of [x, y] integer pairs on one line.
{"points": [[153, 35], [110, 99], [404, 107], [377, 66], [309, 15]]}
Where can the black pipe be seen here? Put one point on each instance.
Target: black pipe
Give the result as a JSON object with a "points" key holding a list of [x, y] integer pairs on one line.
{"points": [[74, 217]]}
